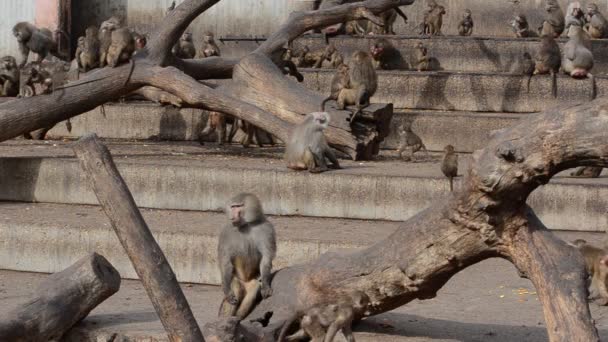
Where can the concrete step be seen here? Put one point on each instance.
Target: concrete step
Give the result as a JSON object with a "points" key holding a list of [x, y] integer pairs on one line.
{"points": [[190, 177], [478, 92], [148, 121], [50, 237], [467, 54]]}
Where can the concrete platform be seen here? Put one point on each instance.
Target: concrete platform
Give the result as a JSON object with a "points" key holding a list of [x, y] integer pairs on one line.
{"points": [[466, 54], [461, 91], [145, 120], [191, 177], [486, 302]]}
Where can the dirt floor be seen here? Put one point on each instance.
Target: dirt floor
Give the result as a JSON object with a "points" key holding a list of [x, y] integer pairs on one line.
{"points": [[486, 302]]}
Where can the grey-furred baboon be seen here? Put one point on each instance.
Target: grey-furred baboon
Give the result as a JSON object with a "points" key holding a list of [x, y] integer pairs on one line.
{"points": [[31, 38], [307, 148], [184, 48], [577, 60], [421, 59], [363, 83], [555, 17], [246, 249], [449, 164], [596, 263], [409, 141], [520, 27], [574, 15], [597, 25], [465, 27]]}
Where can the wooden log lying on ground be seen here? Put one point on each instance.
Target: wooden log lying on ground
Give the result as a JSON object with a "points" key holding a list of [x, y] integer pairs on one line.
{"points": [[62, 300], [146, 255]]}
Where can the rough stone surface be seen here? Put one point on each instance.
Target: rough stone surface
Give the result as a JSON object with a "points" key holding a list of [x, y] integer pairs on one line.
{"points": [[191, 177]]}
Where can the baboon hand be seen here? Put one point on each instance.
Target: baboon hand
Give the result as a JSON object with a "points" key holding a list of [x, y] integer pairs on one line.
{"points": [[231, 298], [266, 291]]}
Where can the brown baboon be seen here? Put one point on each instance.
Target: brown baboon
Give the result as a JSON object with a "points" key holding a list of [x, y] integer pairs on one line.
{"points": [[555, 18], [465, 27], [435, 20], [587, 172], [596, 262], [548, 58], [184, 48], [597, 26], [9, 76], [363, 83], [286, 66], [31, 38], [521, 28], [246, 249], [216, 122], [449, 164], [408, 140], [307, 147], [105, 38], [424, 26], [422, 60], [89, 58], [209, 47], [122, 48], [340, 81]]}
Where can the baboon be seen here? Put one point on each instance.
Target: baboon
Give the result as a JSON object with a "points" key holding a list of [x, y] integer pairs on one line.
{"points": [[157, 95], [246, 250], [307, 147], [285, 65], [105, 38], [423, 62], [122, 48], [140, 41], [388, 20], [184, 48], [363, 83], [597, 26], [587, 172], [408, 140], [31, 38], [88, 58], [449, 164], [216, 122], [322, 322], [574, 15], [251, 132], [521, 28], [9, 76], [577, 60], [340, 81], [596, 263], [527, 67], [385, 56], [209, 47], [555, 17], [424, 26], [548, 58], [435, 20], [465, 27], [306, 59], [330, 54], [171, 7], [33, 77]]}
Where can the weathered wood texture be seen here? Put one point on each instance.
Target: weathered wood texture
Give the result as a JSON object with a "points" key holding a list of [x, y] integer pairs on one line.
{"points": [[146, 255], [62, 300]]}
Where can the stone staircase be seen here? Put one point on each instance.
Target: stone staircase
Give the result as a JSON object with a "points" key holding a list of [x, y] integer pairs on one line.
{"points": [[52, 218]]}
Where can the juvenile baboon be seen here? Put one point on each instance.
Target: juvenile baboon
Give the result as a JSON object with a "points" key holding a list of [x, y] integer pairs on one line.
{"points": [[171, 7], [465, 27], [435, 20], [285, 65], [322, 322], [31, 38], [185, 47], [596, 263], [246, 250], [597, 26], [307, 147], [548, 58], [216, 122], [409, 141], [340, 81], [587, 172], [521, 28], [140, 41], [555, 17], [122, 48], [385, 56], [422, 60], [449, 164], [209, 47], [577, 60], [574, 15], [88, 58], [9, 76], [363, 83]]}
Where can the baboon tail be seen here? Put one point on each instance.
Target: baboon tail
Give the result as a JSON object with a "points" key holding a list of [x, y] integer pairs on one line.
{"points": [[451, 184], [324, 102]]}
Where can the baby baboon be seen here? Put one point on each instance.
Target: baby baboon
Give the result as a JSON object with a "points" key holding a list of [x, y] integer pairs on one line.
{"points": [[596, 263], [307, 147], [122, 48], [209, 47], [465, 27], [548, 58], [555, 17], [184, 48], [286, 66], [246, 250], [340, 81], [587, 172], [597, 26], [31, 38], [577, 60], [408, 140], [89, 56], [216, 122], [363, 83], [424, 26], [449, 164], [9, 76], [435, 20], [521, 28], [423, 62], [574, 15]]}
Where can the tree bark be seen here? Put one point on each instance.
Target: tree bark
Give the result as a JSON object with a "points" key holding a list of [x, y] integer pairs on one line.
{"points": [[62, 300], [146, 255]]}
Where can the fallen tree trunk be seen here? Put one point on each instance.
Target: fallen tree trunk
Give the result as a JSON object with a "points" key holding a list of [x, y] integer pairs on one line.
{"points": [[146, 255], [62, 300]]}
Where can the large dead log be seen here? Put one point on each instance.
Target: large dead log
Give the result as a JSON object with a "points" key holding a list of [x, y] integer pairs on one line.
{"points": [[62, 300], [146, 255]]}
